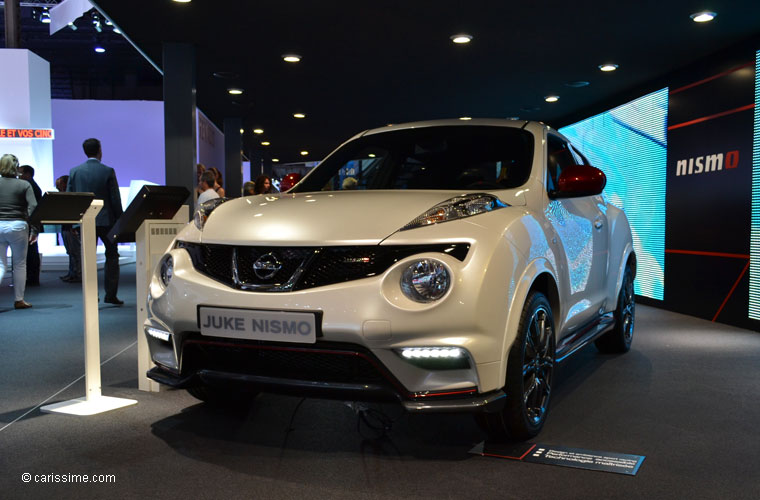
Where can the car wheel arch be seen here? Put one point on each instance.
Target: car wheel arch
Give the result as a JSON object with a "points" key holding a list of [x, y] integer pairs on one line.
{"points": [[538, 276]]}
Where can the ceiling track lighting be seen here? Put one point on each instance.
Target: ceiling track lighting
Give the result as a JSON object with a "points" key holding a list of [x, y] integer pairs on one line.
{"points": [[461, 38], [703, 17]]}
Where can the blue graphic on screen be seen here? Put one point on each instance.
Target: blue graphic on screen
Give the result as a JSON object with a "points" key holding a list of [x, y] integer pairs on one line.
{"points": [[630, 143], [754, 252]]}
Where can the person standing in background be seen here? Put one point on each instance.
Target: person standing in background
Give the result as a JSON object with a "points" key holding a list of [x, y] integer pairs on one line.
{"points": [[16, 205], [71, 241], [94, 177], [33, 264], [219, 186], [207, 185]]}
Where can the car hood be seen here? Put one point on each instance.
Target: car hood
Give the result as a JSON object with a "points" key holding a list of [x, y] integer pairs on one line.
{"points": [[323, 218]]}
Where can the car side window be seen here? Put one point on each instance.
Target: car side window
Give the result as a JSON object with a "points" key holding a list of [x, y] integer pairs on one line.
{"points": [[558, 157]]}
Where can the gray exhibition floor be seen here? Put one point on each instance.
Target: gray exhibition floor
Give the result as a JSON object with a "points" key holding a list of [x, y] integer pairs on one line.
{"points": [[686, 396]]}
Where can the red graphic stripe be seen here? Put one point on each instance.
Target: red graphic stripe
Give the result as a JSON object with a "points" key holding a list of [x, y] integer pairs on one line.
{"points": [[709, 254], [744, 271], [716, 115], [511, 458], [700, 82]]}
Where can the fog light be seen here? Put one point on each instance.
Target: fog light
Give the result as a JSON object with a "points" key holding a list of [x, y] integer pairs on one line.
{"points": [[425, 280], [166, 271], [158, 334], [436, 358]]}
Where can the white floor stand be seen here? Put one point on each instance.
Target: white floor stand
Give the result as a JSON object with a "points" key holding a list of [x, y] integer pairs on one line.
{"points": [[93, 402]]}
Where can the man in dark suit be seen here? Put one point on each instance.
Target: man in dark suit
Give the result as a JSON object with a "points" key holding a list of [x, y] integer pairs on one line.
{"points": [[26, 172], [94, 177]]}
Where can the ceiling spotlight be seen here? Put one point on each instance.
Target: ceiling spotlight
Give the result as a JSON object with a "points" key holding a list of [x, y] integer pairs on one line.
{"points": [[99, 49], [242, 131], [304, 153], [608, 67], [551, 98], [108, 23], [234, 91], [291, 58], [73, 26], [182, 1], [275, 160], [45, 17], [466, 118], [265, 143], [96, 22], [299, 115], [258, 131], [698, 17], [461, 38], [116, 30]]}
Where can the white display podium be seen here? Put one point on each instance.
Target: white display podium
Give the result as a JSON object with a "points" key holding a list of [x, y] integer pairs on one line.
{"points": [[82, 208], [153, 238], [152, 220]]}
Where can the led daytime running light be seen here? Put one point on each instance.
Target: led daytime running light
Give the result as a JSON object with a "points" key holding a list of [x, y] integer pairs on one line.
{"points": [[158, 334], [432, 352]]}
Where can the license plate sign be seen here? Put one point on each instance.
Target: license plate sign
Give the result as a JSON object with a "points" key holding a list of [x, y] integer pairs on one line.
{"points": [[252, 324]]}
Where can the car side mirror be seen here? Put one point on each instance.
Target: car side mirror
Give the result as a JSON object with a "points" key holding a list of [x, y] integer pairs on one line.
{"points": [[579, 180]]}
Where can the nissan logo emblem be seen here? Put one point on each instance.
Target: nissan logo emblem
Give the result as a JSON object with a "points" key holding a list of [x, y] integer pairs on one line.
{"points": [[266, 266]]}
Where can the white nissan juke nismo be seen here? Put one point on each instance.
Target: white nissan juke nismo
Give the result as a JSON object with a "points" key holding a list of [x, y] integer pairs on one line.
{"points": [[445, 265]]}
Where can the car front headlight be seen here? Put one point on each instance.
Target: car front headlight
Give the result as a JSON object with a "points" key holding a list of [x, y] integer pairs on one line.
{"points": [[458, 207], [204, 210], [166, 270], [425, 280]]}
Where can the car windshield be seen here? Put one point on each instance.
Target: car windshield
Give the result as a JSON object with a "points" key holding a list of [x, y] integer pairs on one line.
{"points": [[447, 157]]}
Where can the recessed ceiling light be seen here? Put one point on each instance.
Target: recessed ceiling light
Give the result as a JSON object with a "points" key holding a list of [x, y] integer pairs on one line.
{"points": [[265, 143], [465, 118], [551, 98], [299, 115], [700, 17], [116, 30], [234, 91], [99, 49], [304, 153], [275, 160], [182, 1], [291, 58], [461, 38], [258, 131], [577, 85], [608, 67], [371, 155], [242, 131]]}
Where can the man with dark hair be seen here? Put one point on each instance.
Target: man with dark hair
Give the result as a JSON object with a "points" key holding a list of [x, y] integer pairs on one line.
{"points": [[208, 181], [26, 172], [94, 177]]}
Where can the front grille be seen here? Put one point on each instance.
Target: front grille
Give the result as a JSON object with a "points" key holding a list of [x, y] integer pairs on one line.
{"points": [[302, 267], [342, 365]]}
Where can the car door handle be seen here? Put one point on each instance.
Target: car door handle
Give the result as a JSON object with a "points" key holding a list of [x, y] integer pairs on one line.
{"points": [[598, 223]]}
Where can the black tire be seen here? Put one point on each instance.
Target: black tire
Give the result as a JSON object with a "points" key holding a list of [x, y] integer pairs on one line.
{"points": [[530, 368], [222, 397], [619, 339]]}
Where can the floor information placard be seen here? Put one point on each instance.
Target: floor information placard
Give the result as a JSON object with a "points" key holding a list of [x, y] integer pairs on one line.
{"points": [[604, 461]]}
